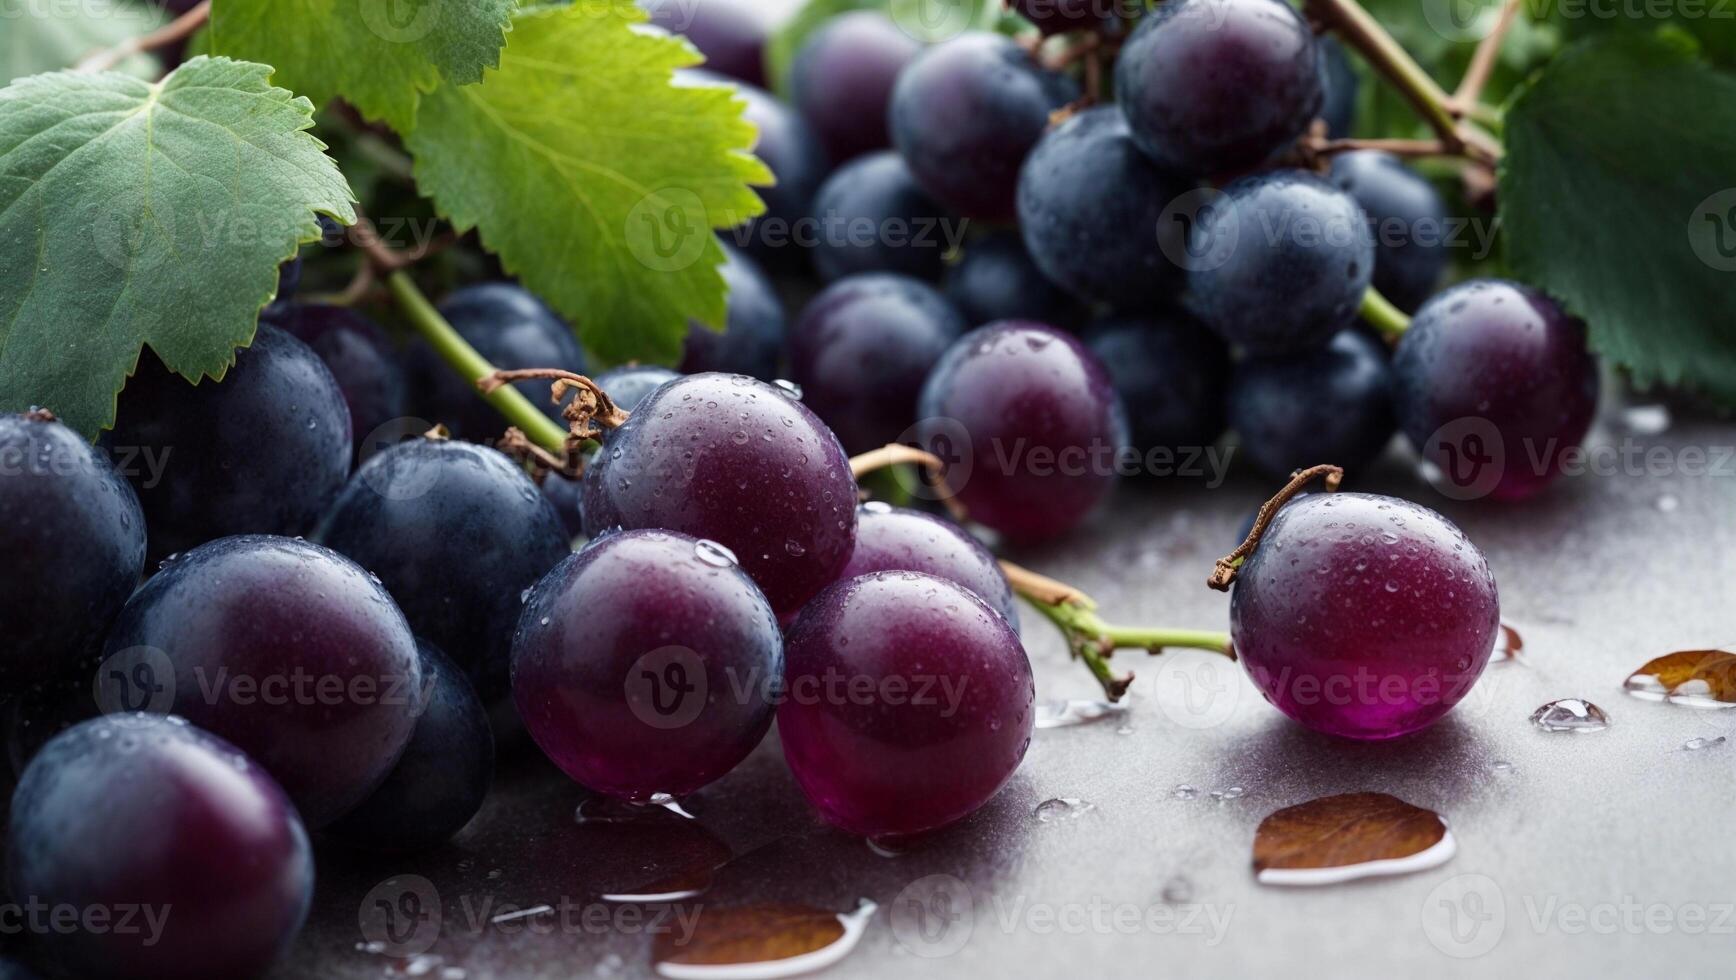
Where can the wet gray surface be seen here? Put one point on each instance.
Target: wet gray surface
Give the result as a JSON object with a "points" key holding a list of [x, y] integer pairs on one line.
{"points": [[1589, 855]]}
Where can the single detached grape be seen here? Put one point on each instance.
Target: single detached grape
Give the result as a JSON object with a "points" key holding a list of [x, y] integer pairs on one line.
{"points": [[360, 357], [788, 147], [898, 539], [72, 530], [287, 649], [1364, 616], [262, 451], [1407, 219], [872, 216], [1280, 263], [456, 532], [861, 349], [1494, 384], [647, 663], [1029, 426], [1093, 211], [628, 386], [510, 328], [147, 813], [842, 81], [1171, 373], [441, 779], [752, 340], [1327, 406], [730, 33], [733, 460], [997, 280], [947, 714], [1338, 87], [966, 113], [1215, 86]]}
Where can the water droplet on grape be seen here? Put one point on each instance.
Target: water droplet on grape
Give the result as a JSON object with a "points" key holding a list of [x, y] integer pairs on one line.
{"points": [[714, 554]]}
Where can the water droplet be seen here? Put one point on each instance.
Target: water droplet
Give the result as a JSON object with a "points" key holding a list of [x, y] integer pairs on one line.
{"points": [[877, 507], [1233, 793], [1668, 503], [789, 389], [714, 554], [1186, 792], [1646, 420], [1695, 744], [794, 548], [1501, 766], [1177, 890], [1570, 715], [1067, 714], [1063, 808]]}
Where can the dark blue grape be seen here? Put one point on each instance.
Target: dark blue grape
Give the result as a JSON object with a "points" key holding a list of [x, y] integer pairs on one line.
{"points": [[997, 280], [147, 813], [262, 451], [871, 216], [1408, 221], [513, 330], [1332, 405], [1171, 373], [441, 779], [360, 357], [1092, 209], [457, 532], [287, 649], [861, 350], [842, 81], [568, 498], [73, 532], [1279, 263], [288, 281], [753, 339], [731, 35], [1338, 86], [647, 664], [628, 386], [1061, 16], [1215, 86], [897, 539], [966, 113]]}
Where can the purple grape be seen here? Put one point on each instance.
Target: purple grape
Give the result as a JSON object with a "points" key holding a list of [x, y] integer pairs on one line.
{"points": [[1407, 219], [287, 649], [861, 349], [148, 817], [510, 328], [360, 357], [753, 336], [996, 279], [966, 113], [1029, 425], [1364, 616], [1215, 86], [843, 77], [947, 714], [1171, 373], [1280, 263], [260, 452], [646, 664], [1495, 384], [1061, 16], [441, 779], [1096, 214], [737, 461], [72, 530], [731, 35], [1338, 88], [1327, 406], [419, 511], [897, 539], [871, 216]]}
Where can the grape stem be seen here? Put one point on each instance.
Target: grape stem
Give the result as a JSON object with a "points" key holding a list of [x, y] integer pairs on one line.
{"points": [[1382, 315], [1093, 640], [590, 413], [178, 29], [896, 454], [1482, 65], [1224, 573]]}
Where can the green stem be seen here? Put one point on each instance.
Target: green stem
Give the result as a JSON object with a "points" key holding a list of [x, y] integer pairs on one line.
{"points": [[1383, 316], [464, 359]]}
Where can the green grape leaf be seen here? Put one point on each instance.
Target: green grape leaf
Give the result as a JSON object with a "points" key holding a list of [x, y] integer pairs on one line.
{"points": [[1618, 195], [135, 213], [51, 36], [592, 177], [929, 21], [378, 55]]}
